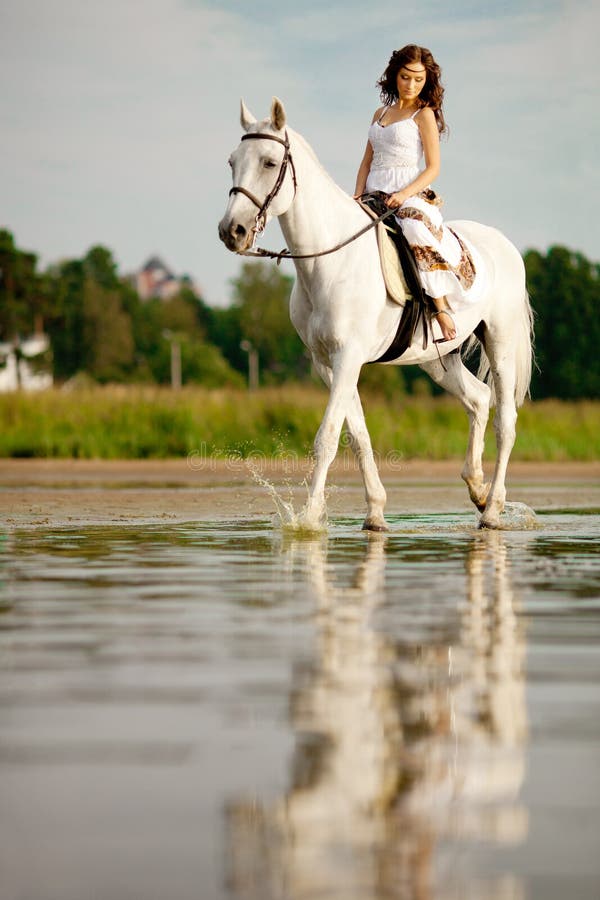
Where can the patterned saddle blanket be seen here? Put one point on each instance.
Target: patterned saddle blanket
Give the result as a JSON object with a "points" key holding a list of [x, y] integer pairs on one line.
{"points": [[398, 263], [400, 275]]}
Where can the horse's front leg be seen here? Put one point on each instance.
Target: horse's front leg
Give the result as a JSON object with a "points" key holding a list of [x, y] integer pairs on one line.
{"points": [[361, 445], [344, 378]]}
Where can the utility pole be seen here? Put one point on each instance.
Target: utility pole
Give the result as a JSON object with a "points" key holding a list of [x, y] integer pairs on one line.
{"points": [[175, 365], [252, 364], [175, 358]]}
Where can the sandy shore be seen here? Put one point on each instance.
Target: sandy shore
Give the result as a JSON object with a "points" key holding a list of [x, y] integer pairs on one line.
{"points": [[71, 492]]}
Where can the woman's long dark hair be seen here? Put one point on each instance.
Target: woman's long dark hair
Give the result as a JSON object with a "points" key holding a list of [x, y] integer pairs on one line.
{"points": [[432, 94]]}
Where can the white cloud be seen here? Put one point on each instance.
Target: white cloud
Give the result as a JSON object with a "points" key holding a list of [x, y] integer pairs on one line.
{"points": [[522, 129], [121, 117]]}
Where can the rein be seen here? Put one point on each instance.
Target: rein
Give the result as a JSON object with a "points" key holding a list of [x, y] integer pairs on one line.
{"points": [[285, 253], [261, 216]]}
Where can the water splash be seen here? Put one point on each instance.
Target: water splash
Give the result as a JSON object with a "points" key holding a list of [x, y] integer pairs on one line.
{"points": [[287, 518], [518, 517]]}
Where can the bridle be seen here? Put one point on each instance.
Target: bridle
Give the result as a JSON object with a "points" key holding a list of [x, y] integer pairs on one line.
{"points": [[261, 216]]}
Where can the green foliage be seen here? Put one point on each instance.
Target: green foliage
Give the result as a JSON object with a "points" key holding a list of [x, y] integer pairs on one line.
{"points": [[565, 294], [384, 381], [201, 363], [98, 325], [182, 319], [89, 327], [107, 334], [137, 423], [65, 326], [21, 289], [261, 316], [180, 315], [100, 267], [224, 331], [559, 431]]}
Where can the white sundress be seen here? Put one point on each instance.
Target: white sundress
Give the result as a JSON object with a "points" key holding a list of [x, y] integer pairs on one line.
{"points": [[447, 265]]}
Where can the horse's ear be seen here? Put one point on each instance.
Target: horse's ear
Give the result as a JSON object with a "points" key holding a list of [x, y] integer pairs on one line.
{"points": [[278, 117], [246, 117]]}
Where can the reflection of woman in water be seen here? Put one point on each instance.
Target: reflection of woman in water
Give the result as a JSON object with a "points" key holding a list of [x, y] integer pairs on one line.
{"points": [[405, 131]]}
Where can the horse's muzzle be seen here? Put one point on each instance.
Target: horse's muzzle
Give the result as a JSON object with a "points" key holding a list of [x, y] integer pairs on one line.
{"points": [[234, 235]]}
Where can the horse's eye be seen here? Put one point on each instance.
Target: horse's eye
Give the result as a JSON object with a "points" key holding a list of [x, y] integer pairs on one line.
{"points": [[269, 164]]}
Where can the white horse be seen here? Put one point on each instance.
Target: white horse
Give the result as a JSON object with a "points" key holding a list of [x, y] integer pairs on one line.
{"points": [[340, 309]]}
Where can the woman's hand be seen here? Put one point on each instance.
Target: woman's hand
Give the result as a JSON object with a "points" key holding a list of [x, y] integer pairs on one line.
{"points": [[396, 200]]}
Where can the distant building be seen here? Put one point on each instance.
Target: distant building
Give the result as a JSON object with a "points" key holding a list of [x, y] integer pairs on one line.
{"points": [[26, 364], [155, 279]]}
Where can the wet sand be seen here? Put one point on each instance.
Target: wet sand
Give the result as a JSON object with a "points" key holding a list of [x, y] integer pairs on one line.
{"points": [[68, 492]]}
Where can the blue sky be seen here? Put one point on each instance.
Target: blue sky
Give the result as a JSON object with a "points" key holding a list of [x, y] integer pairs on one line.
{"points": [[117, 118]]}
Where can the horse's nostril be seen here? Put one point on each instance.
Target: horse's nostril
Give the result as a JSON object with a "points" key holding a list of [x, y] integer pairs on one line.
{"points": [[240, 230]]}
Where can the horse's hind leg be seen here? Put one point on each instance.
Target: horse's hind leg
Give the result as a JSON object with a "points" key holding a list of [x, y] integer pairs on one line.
{"points": [[503, 367], [361, 445], [474, 395]]}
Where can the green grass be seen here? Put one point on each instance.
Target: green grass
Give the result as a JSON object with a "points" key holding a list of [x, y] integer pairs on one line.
{"points": [[142, 423]]}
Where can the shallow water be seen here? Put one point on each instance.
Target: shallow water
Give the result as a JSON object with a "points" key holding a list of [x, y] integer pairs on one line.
{"points": [[222, 710]]}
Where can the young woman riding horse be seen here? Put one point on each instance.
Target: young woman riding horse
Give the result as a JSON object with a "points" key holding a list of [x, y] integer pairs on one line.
{"points": [[340, 307]]}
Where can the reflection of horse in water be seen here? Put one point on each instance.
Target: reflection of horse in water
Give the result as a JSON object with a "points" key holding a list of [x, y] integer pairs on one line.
{"points": [[398, 745]]}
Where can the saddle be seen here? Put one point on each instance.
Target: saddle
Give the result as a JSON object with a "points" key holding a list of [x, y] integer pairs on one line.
{"points": [[400, 275]]}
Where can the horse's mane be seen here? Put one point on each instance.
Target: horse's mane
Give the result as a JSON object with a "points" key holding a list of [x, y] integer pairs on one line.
{"points": [[266, 125], [302, 140], [313, 156]]}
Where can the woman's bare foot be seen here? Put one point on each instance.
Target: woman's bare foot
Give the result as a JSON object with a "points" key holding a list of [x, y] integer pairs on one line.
{"points": [[446, 323]]}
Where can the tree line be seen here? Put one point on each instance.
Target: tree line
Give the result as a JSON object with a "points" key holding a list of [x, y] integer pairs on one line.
{"points": [[101, 329]]}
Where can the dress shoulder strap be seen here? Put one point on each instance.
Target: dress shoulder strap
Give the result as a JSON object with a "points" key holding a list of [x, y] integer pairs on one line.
{"points": [[383, 112], [415, 112]]}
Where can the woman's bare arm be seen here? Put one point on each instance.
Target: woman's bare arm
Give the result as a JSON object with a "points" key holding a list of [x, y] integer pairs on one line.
{"points": [[365, 166]]}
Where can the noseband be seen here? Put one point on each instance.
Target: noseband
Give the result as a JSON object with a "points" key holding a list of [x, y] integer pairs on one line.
{"points": [[261, 216]]}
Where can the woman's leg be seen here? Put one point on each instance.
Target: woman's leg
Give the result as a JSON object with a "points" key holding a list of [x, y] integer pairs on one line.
{"points": [[445, 320], [436, 251]]}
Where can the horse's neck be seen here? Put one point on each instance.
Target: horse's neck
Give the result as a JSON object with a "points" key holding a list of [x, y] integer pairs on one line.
{"points": [[322, 213]]}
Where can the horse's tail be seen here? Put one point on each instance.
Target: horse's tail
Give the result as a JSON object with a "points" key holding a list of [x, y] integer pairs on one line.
{"points": [[523, 355]]}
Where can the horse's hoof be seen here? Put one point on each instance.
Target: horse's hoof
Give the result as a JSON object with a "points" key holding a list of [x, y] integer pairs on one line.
{"points": [[491, 516], [307, 525], [480, 497], [374, 526], [488, 523]]}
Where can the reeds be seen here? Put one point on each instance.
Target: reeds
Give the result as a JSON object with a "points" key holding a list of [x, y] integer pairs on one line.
{"points": [[141, 422]]}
